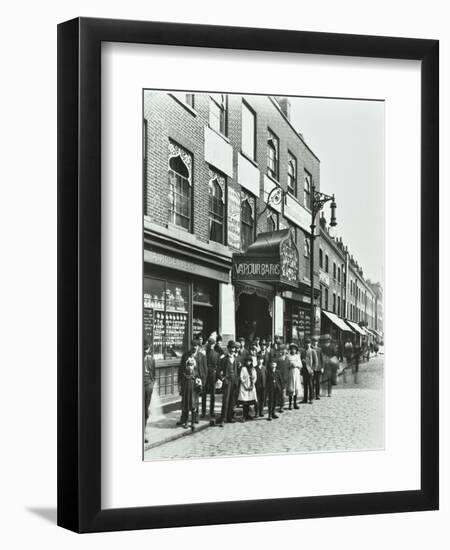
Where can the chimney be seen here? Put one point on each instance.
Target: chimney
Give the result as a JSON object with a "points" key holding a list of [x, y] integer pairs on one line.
{"points": [[285, 105]]}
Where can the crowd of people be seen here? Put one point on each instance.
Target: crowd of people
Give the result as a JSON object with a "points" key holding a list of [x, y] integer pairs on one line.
{"points": [[264, 378]]}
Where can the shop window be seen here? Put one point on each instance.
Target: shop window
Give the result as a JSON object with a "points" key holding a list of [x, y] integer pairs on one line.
{"points": [[179, 193], [216, 212], [307, 189], [273, 156], [247, 224], [292, 174], [218, 113], [248, 132], [204, 319], [166, 307]]}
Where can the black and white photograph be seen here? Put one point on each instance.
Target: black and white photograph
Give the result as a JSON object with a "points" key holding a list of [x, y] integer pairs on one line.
{"points": [[263, 279]]}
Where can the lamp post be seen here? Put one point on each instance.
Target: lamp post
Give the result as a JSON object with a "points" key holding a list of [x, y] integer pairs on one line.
{"points": [[318, 201]]}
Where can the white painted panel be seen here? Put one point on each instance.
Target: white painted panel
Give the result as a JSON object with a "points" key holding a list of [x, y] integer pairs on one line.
{"points": [[297, 213], [279, 315], [218, 152], [248, 175], [227, 312]]}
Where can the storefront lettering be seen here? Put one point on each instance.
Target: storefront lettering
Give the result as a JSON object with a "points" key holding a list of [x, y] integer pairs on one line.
{"points": [[257, 269]]}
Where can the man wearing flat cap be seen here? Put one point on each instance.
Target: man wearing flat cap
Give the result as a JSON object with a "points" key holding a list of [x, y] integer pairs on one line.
{"points": [[212, 363]]}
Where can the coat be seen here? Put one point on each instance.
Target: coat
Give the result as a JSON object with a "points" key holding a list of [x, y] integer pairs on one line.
{"points": [[261, 377], [189, 393], [283, 369], [274, 381], [228, 369], [319, 354], [247, 388], [202, 369], [294, 383], [212, 364]]}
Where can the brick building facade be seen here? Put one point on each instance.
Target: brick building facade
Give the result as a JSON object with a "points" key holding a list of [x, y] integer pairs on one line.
{"points": [[210, 165]]}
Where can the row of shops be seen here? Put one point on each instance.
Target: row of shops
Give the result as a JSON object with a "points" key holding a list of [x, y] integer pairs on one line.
{"points": [[189, 292]]}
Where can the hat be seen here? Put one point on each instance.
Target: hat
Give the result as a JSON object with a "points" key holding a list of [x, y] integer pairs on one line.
{"points": [[211, 340], [325, 337], [293, 345], [253, 345], [241, 339], [231, 344], [263, 341], [195, 342], [307, 340]]}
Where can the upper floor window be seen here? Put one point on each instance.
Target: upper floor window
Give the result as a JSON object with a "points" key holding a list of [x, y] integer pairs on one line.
{"points": [[247, 222], [307, 189], [273, 159], [272, 222], [320, 258], [180, 190], [339, 274], [326, 298], [306, 250], [292, 174], [216, 210], [248, 132], [339, 305], [218, 112], [334, 302], [188, 99], [326, 263], [334, 270]]}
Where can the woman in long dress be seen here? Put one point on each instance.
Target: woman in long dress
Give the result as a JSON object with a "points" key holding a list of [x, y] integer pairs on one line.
{"points": [[247, 388], [294, 379]]}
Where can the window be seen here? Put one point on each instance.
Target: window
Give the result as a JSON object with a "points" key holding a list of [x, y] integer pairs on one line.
{"points": [[339, 274], [216, 211], [247, 223], [334, 270], [272, 156], [188, 99], [326, 263], [306, 247], [307, 189], [248, 131], [320, 258], [179, 193], [218, 113], [339, 305], [334, 302], [326, 298], [272, 222], [292, 174]]}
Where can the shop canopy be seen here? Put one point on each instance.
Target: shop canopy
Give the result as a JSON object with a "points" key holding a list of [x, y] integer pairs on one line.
{"points": [[356, 327], [336, 321], [376, 333], [272, 258]]}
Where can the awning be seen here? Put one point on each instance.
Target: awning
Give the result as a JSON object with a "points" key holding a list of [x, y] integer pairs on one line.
{"points": [[376, 333], [272, 258], [336, 321], [356, 327]]}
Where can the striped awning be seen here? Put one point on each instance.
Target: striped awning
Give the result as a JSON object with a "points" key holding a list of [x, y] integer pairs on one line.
{"points": [[356, 327], [336, 320]]}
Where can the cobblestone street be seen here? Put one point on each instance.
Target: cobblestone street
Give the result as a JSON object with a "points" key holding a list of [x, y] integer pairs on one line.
{"points": [[351, 419]]}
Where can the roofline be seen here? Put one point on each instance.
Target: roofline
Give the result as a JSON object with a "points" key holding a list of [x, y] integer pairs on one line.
{"points": [[277, 105]]}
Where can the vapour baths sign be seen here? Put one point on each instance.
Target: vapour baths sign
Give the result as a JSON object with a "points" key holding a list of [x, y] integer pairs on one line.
{"points": [[250, 268]]}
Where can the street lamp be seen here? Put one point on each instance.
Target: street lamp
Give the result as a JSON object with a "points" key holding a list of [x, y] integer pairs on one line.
{"points": [[318, 201]]}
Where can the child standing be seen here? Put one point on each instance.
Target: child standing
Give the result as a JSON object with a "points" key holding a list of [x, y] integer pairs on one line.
{"points": [[274, 388]]}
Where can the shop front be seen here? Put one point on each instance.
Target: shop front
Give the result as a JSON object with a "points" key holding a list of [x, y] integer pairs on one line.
{"points": [[336, 328], [260, 276], [181, 301]]}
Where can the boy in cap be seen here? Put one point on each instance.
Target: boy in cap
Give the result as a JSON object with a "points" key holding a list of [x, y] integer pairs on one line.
{"points": [[274, 388]]}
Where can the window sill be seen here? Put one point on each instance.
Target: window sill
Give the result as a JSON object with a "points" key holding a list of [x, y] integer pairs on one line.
{"points": [[188, 108], [223, 136], [255, 164]]}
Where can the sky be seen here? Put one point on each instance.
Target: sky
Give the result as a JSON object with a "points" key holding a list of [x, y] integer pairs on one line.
{"points": [[348, 137]]}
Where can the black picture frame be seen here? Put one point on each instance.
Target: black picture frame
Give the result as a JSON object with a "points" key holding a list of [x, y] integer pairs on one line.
{"points": [[79, 274]]}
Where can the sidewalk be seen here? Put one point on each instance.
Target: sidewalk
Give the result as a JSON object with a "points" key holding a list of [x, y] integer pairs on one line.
{"points": [[162, 428]]}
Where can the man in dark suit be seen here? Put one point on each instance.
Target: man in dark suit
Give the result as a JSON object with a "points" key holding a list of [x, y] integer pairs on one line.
{"points": [[201, 371], [274, 388], [212, 363], [261, 382], [229, 375]]}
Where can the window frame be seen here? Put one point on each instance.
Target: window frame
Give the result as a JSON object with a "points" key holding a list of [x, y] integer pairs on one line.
{"points": [[307, 194], [171, 212], [247, 199], [223, 112], [253, 113], [292, 161], [275, 140], [224, 208]]}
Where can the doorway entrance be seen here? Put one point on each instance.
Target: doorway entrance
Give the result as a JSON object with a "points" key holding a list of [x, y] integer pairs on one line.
{"points": [[253, 317]]}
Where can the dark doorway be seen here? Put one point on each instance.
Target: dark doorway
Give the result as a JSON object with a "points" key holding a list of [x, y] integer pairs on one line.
{"points": [[253, 317]]}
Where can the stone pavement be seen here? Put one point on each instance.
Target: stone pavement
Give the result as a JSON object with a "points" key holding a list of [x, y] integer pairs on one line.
{"points": [[351, 419]]}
